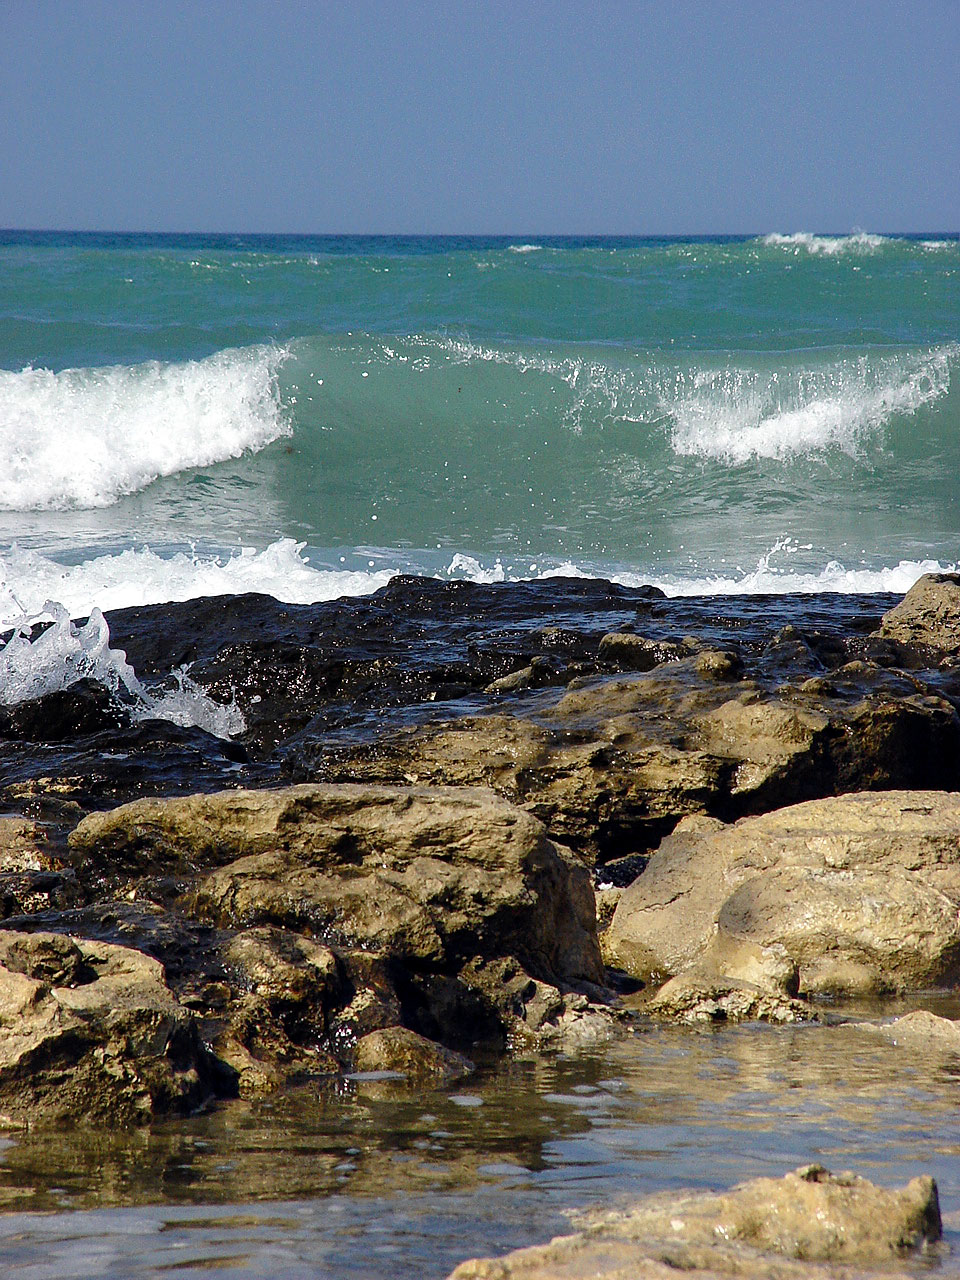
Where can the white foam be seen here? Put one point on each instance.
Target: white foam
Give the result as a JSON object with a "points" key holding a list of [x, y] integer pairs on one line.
{"points": [[140, 576], [828, 246], [767, 577], [525, 248], [732, 415], [85, 437], [63, 653]]}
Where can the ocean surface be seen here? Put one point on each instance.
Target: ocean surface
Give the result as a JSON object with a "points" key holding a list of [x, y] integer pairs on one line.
{"points": [[308, 416], [184, 416]]}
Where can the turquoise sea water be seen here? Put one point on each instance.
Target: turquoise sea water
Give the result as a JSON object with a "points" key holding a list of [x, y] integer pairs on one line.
{"points": [[308, 416]]}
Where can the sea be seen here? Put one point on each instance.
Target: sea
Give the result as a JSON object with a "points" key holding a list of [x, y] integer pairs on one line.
{"points": [[763, 427], [308, 416]]}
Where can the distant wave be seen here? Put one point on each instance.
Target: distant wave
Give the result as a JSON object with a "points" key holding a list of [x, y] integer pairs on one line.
{"points": [[733, 414], [524, 248], [829, 246], [85, 437]]}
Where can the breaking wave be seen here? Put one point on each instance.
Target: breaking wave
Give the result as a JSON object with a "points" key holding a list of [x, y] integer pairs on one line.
{"points": [[47, 652], [828, 246], [731, 415], [83, 438], [283, 570]]}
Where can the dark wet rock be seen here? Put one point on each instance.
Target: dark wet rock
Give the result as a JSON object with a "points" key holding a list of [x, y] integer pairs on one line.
{"points": [[283, 987], [91, 1033], [857, 893], [928, 617], [84, 708], [32, 877], [421, 1061], [770, 1228], [629, 652]]}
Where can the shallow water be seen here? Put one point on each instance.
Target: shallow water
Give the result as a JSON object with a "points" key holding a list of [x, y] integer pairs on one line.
{"points": [[378, 1181]]}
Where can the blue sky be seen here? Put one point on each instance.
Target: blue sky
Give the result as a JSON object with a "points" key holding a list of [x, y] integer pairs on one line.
{"points": [[480, 116]]}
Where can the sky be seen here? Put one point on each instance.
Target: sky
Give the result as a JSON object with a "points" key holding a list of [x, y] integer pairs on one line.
{"points": [[480, 116]]}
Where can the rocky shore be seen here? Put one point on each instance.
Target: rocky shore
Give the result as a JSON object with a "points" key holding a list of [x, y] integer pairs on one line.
{"points": [[464, 822]]}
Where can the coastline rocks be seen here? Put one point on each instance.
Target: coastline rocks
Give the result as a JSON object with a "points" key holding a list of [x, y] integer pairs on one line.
{"points": [[920, 1031], [615, 764], [851, 894], [928, 617], [434, 875], [400, 1050], [90, 1032], [755, 1229], [345, 911]]}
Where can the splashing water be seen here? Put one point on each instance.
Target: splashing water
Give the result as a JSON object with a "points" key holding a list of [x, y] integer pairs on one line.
{"points": [[34, 663]]}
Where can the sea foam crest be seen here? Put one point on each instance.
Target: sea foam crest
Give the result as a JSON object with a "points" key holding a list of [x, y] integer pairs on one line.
{"points": [[734, 414], [47, 652], [85, 437], [139, 576], [828, 246]]}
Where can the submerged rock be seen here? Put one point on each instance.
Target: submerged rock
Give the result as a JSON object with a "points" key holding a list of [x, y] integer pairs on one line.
{"points": [[90, 1032], [856, 893], [920, 1031], [756, 1229], [400, 1050]]}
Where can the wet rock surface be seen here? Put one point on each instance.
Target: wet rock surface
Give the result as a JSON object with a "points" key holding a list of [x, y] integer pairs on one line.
{"points": [[757, 1229]]}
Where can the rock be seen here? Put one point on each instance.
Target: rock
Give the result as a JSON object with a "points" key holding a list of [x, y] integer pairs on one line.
{"points": [[432, 875], [535, 675], [289, 985], [422, 1061], [701, 994], [857, 893], [415, 902], [617, 762], [631, 652], [920, 1031], [90, 1033], [32, 878], [85, 707], [928, 616], [809, 1216]]}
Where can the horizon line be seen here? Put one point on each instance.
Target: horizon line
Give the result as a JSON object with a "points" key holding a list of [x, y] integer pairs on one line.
{"points": [[477, 235]]}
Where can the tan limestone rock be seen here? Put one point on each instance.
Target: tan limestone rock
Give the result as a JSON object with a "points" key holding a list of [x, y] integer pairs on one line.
{"points": [[757, 1229], [860, 892], [89, 1032], [928, 615]]}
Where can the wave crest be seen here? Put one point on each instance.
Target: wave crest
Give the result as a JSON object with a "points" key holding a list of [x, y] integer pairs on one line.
{"points": [[84, 438], [731, 415], [828, 246]]}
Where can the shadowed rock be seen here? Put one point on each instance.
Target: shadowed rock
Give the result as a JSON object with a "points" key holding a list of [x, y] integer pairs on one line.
{"points": [[90, 1032]]}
